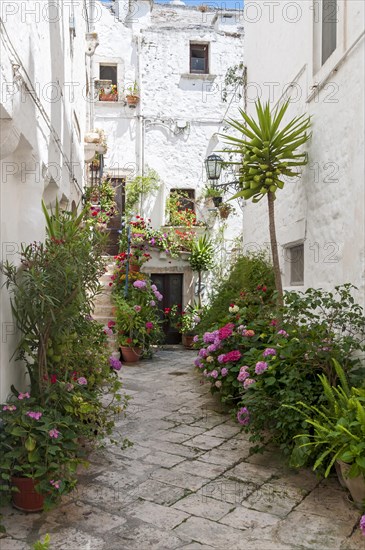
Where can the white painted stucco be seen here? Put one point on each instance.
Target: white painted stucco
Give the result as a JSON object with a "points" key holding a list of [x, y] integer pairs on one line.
{"points": [[43, 116], [172, 129], [325, 207]]}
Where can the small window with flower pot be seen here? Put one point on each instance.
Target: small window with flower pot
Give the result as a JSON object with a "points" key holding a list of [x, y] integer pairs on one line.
{"points": [[109, 74]]}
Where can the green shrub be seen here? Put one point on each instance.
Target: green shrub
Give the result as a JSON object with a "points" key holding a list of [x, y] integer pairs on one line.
{"points": [[246, 274]]}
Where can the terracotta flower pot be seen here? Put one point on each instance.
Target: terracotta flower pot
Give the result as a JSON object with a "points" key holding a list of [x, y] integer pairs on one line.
{"points": [[26, 498], [108, 97], [131, 355], [356, 485], [132, 100], [188, 341], [224, 213]]}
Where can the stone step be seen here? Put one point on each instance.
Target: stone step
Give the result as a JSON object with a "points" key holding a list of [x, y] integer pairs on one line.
{"points": [[103, 299], [104, 311], [102, 319]]}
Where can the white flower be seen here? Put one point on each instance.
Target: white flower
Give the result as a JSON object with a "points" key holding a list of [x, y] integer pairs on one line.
{"points": [[233, 309]]}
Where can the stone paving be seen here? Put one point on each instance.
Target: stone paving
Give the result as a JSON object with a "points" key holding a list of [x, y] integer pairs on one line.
{"points": [[189, 482]]}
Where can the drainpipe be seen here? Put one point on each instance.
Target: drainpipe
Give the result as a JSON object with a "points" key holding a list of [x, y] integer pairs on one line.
{"points": [[140, 121]]}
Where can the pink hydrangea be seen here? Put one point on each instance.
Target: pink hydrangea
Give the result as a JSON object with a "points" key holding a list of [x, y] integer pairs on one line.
{"points": [[209, 337], [218, 384], [226, 331], [203, 353], [82, 381], [152, 303], [243, 416], [224, 372], [248, 382], [232, 356], [212, 347], [140, 284], [221, 358], [260, 367], [196, 338], [54, 433], [283, 333], [242, 375], [214, 374], [269, 351]]}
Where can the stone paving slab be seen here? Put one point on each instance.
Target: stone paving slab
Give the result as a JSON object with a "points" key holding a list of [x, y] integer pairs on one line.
{"points": [[189, 482]]}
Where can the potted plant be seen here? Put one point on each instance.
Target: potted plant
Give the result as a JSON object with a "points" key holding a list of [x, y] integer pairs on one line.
{"points": [[109, 95], [225, 210], [39, 453], [215, 194], [336, 433], [185, 321], [137, 319], [201, 259], [132, 95]]}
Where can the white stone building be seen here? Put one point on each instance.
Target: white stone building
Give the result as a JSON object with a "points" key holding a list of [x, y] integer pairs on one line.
{"points": [[178, 57], [313, 51], [44, 112]]}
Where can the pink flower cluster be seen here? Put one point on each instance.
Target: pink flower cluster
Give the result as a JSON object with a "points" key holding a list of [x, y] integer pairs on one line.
{"points": [[141, 285], [54, 433], [243, 416], [23, 395], [55, 484], [35, 415], [231, 356], [82, 381], [155, 291], [226, 331], [260, 367], [9, 408], [243, 374]]}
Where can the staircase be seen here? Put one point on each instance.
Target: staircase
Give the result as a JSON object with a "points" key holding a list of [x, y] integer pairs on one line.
{"points": [[103, 305]]}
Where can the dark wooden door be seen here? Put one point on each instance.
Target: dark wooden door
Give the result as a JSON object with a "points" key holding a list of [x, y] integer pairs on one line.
{"points": [[171, 287], [115, 223]]}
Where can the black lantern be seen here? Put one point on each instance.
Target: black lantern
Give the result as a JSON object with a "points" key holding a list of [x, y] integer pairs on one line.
{"points": [[213, 166]]}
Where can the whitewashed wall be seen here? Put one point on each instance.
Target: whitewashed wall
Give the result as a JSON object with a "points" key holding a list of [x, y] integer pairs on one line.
{"points": [[325, 207], [152, 47], [40, 53]]}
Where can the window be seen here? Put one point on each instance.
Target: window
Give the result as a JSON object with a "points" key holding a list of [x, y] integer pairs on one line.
{"points": [[329, 28], [295, 257], [199, 58], [186, 200], [109, 72]]}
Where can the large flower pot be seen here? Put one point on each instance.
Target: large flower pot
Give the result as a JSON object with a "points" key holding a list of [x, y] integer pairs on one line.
{"points": [[108, 97], [131, 355], [132, 100], [26, 498], [356, 485], [188, 341]]}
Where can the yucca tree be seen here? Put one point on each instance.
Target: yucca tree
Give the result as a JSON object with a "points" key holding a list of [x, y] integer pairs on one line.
{"points": [[269, 153]]}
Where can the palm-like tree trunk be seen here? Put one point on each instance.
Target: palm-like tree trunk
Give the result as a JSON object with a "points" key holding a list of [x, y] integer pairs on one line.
{"points": [[274, 248]]}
